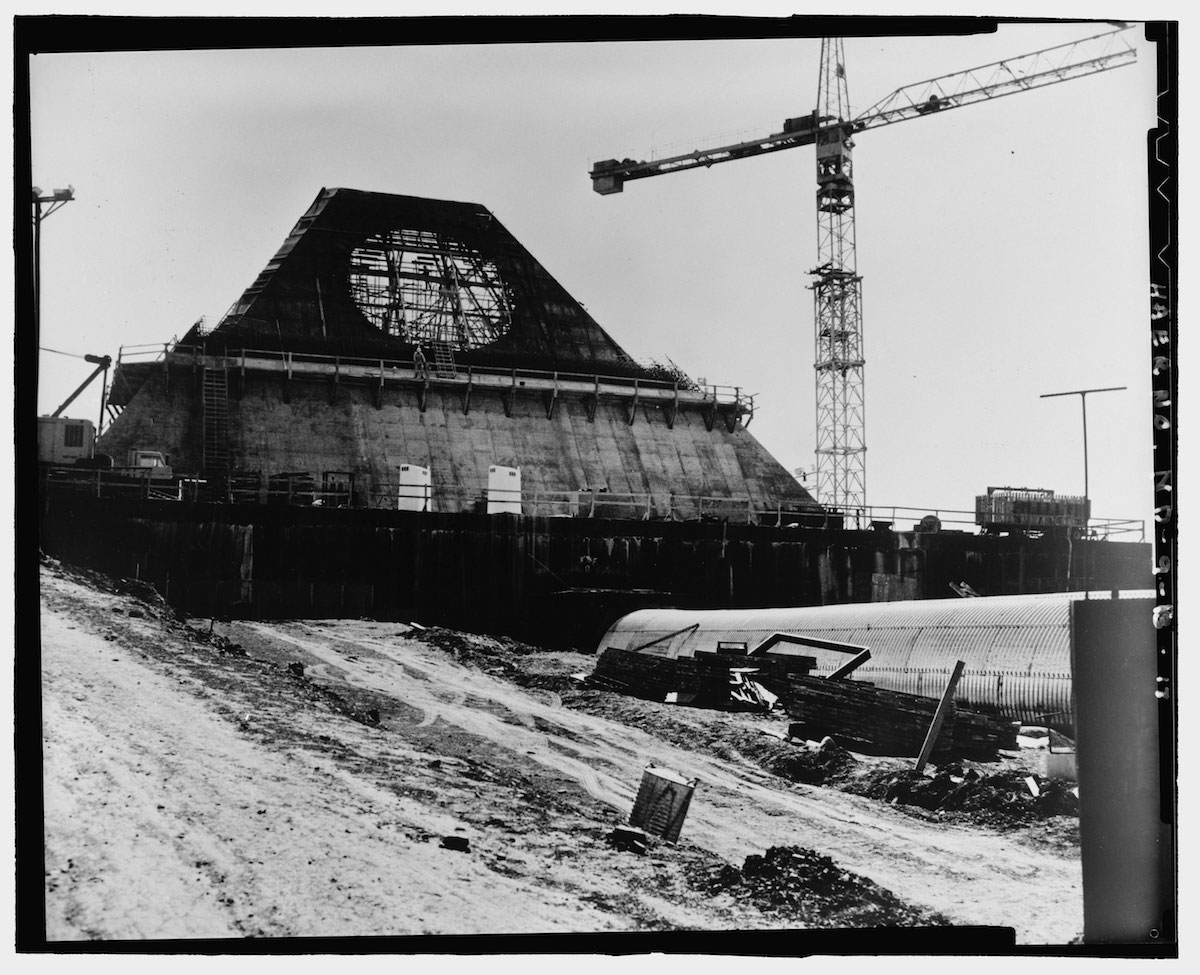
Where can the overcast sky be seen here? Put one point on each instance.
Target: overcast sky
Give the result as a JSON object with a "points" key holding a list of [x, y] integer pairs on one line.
{"points": [[1003, 246]]}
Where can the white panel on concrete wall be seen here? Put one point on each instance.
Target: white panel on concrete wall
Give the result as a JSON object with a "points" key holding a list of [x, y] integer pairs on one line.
{"points": [[504, 490], [415, 492]]}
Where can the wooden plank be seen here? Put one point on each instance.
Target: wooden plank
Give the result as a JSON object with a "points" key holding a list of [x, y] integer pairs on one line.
{"points": [[846, 669], [939, 715]]}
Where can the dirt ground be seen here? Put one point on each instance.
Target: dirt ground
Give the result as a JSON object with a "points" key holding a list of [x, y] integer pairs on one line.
{"points": [[273, 779]]}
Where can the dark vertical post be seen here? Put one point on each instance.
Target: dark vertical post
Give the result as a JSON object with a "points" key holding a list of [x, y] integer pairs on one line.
{"points": [[103, 401], [1126, 771], [37, 287], [1083, 404], [55, 201]]}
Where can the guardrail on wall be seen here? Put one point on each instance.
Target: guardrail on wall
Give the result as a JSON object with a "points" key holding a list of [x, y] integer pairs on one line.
{"points": [[717, 393], [913, 517], [309, 490]]}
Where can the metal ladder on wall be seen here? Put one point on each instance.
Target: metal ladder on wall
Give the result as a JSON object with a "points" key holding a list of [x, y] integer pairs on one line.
{"points": [[215, 416], [443, 360]]}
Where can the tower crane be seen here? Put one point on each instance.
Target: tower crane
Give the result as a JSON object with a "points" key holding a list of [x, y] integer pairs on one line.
{"points": [[837, 287]]}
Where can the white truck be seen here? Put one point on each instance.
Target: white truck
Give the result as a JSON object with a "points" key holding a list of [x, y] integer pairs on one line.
{"points": [[155, 461]]}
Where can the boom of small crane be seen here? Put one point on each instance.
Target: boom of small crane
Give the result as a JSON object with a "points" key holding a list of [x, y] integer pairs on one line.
{"points": [[102, 362], [837, 288]]}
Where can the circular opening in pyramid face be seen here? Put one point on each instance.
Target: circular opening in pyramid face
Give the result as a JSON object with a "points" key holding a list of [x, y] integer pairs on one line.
{"points": [[424, 287]]}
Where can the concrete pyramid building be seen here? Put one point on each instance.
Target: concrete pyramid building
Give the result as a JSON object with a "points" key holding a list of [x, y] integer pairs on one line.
{"points": [[392, 333]]}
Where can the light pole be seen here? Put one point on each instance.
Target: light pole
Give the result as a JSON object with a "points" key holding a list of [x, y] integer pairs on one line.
{"points": [[1082, 394], [51, 201]]}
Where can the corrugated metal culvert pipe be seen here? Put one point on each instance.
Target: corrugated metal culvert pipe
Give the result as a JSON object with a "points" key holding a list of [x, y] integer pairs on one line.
{"points": [[1017, 649]]}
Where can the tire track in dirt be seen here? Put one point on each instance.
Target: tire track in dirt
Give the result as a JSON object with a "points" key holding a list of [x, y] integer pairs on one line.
{"points": [[430, 714], [162, 819], [442, 677], [279, 874], [971, 874]]}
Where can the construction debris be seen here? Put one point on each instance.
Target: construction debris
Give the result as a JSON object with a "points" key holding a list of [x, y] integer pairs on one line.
{"points": [[367, 717], [731, 681], [865, 718], [859, 715], [138, 590], [1003, 800], [815, 890], [629, 838]]}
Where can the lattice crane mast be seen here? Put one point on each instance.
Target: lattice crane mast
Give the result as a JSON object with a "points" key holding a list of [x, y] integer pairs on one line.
{"points": [[837, 287]]}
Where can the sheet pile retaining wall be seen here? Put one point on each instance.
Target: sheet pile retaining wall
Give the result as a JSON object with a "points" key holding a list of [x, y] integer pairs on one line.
{"points": [[553, 581]]}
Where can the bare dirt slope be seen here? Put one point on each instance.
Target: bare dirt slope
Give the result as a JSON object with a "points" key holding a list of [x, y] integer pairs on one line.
{"points": [[202, 789]]}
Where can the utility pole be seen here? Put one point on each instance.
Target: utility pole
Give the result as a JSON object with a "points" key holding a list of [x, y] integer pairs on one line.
{"points": [[51, 201], [1082, 394]]}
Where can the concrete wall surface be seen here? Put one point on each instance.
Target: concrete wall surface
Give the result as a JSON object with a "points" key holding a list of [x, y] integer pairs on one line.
{"points": [[318, 428]]}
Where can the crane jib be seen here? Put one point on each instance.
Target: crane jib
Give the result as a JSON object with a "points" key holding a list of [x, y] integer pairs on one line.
{"points": [[608, 174], [1038, 69], [840, 398]]}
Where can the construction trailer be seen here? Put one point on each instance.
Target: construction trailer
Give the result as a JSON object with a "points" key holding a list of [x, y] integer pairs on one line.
{"points": [[64, 440]]}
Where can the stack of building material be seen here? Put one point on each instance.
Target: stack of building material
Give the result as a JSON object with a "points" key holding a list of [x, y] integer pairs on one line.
{"points": [[862, 717], [706, 679], [703, 679], [865, 718], [982, 735], [636, 674], [703, 668], [746, 692]]}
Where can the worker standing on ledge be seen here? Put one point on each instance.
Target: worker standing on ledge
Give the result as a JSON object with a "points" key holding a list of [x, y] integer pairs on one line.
{"points": [[420, 367]]}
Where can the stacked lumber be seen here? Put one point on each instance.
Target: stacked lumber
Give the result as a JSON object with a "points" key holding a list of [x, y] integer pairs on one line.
{"points": [[862, 717], [636, 674], [702, 677], [866, 718], [778, 666], [982, 735]]}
